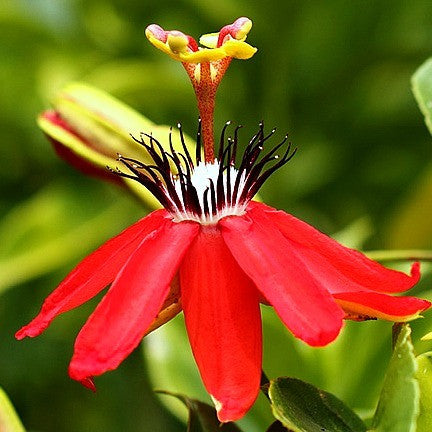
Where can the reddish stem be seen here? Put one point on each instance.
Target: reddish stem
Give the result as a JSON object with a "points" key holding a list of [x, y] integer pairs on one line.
{"points": [[205, 89], [206, 92]]}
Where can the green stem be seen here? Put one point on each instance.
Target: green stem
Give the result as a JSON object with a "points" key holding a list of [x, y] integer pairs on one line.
{"points": [[400, 255]]}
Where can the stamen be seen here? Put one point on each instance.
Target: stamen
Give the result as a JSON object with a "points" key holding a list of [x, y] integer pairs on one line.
{"points": [[201, 191], [185, 149], [222, 140]]}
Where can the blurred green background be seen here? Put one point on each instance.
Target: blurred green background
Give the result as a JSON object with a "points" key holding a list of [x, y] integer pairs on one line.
{"points": [[334, 74]]}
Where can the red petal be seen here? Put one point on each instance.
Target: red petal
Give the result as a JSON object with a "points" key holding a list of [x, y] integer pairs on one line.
{"points": [[223, 320], [92, 274], [121, 319], [341, 269], [306, 308], [377, 305]]}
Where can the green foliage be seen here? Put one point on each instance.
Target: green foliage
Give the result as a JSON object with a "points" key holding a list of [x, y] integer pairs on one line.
{"points": [[304, 408], [424, 379], [398, 405], [422, 89], [405, 403], [170, 363], [47, 227], [9, 421]]}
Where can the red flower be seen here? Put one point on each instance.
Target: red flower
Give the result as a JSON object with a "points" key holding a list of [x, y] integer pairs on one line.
{"points": [[216, 254], [229, 253]]}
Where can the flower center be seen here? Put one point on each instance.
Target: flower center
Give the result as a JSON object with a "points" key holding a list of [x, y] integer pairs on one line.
{"points": [[206, 192], [215, 205]]}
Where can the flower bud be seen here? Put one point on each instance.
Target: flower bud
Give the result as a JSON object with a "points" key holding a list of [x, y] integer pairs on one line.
{"points": [[89, 129]]}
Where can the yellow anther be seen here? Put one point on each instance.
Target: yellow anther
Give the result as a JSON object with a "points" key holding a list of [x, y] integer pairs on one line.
{"points": [[178, 43], [238, 49], [209, 40], [244, 30], [205, 65]]}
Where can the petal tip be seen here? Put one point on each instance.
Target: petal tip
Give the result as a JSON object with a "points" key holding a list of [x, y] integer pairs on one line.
{"points": [[371, 305], [30, 330], [82, 378], [49, 115], [323, 338], [21, 334], [426, 305], [89, 383], [229, 412], [415, 271], [156, 31], [325, 335]]}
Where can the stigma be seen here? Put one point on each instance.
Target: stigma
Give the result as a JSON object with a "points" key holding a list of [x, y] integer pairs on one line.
{"points": [[191, 189]]}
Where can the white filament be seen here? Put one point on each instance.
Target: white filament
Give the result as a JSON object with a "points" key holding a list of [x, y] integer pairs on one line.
{"points": [[201, 178]]}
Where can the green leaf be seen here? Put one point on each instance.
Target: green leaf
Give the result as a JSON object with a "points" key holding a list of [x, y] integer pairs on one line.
{"points": [[424, 379], [364, 347], [9, 421], [398, 406], [304, 408], [202, 417], [422, 89]]}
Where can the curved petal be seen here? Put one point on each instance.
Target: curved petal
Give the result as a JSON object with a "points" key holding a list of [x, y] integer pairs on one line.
{"points": [[306, 308], [367, 305], [223, 321], [121, 319], [341, 269], [92, 274]]}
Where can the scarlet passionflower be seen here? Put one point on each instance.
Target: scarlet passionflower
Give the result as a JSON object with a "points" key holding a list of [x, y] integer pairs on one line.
{"points": [[216, 254]]}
